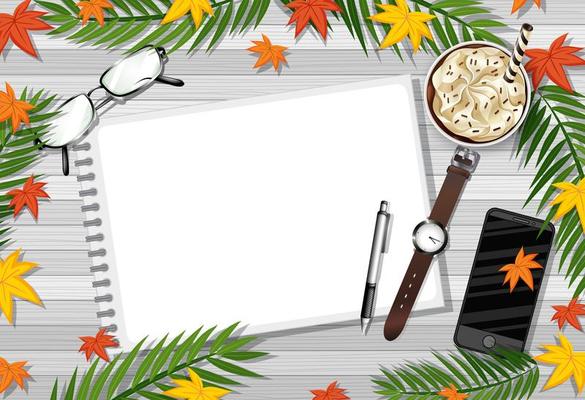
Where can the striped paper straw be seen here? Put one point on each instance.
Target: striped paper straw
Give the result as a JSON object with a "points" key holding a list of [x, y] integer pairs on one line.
{"points": [[519, 50]]}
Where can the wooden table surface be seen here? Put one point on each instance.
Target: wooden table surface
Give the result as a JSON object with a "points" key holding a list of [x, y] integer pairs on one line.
{"points": [[301, 359]]}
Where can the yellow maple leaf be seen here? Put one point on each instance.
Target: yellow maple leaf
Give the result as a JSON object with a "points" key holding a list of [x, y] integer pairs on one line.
{"points": [[572, 196], [568, 363], [13, 285], [194, 390], [182, 7], [404, 22]]}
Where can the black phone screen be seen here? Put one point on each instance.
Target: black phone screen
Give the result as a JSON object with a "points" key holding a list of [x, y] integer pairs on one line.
{"points": [[489, 306]]}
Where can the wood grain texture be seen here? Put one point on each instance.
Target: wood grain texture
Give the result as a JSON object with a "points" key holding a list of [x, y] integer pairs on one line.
{"points": [[301, 359]]}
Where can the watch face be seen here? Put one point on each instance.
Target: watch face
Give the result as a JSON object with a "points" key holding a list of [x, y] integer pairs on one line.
{"points": [[430, 237]]}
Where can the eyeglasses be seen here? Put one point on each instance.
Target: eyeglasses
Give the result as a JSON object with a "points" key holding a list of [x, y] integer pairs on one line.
{"points": [[126, 77]]}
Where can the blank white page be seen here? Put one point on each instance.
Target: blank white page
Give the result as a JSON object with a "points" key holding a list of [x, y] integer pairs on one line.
{"points": [[260, 211]]}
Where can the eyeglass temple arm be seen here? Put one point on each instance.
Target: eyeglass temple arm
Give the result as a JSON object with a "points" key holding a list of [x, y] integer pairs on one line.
{"points": [[167, 80], [65, 160]]}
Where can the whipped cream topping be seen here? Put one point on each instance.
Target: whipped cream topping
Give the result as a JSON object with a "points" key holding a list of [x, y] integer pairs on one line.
{"points": [[472, 99]]}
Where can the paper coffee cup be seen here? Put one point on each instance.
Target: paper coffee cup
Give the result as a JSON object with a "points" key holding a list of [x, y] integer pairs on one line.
{"points": [[429, 94]]}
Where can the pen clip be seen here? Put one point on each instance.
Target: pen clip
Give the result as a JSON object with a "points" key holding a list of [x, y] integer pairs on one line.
{"points": [[386, 243]]}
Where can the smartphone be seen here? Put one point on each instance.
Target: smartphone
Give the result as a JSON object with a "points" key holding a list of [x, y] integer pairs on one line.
{"points": [[492, 316]]}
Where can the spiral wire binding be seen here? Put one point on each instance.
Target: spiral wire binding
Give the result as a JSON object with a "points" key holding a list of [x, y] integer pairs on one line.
{"points": [[98, 237]]}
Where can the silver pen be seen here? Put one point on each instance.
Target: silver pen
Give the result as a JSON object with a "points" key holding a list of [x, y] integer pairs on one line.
{"points": [[379, 247]]}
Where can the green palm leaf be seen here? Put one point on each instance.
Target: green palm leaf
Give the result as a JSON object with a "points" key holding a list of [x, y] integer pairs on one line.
{"points": [[473, 20], [132, 24], [149, 371], [552, 132], [19, 150], [502, 375]]}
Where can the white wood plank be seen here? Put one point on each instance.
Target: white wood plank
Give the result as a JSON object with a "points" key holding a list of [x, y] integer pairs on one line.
{"points": [[303, 359]]}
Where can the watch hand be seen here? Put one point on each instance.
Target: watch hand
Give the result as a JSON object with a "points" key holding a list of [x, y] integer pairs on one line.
{"points": [[435, 241]]}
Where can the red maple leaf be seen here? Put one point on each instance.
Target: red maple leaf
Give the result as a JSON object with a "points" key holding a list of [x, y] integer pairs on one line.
{"points": [[331, 393], [97, 345], [569, 313], [314, 11], [551, 63], [15, 27], [27, 196]]}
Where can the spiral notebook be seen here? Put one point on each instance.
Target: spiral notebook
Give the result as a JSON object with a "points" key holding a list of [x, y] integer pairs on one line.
{"points": [[260, 211]]}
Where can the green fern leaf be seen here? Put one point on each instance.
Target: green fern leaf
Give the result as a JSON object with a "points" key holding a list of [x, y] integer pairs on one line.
{"points": [[502, 375], [204, 32], [85, 384], [19, 150], [555, 120], [251, 14], [86, 30], [262, 12], [242, 8], [164, 356], [183, 26], [123, 369], [151, 37], [357, 26], [365, 13], [148, 360], [136, 23], [150, 374], [221, 27], [473, 20]]}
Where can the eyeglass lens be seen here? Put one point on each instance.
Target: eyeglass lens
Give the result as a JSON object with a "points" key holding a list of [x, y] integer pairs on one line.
{"points": [[133, 72], [74, 118]]}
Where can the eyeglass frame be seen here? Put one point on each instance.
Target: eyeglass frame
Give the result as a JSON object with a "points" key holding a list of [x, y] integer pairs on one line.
{"points": [[167, 80]]}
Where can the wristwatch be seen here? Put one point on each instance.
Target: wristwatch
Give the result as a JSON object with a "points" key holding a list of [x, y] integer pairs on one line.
{"points": [[430, 238]]}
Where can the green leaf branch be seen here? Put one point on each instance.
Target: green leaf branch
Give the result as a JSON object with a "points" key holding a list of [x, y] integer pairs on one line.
{"points": [[148, 371], [472, 19], [20, 150], [504, 375], [554, 135], [136, 23]]}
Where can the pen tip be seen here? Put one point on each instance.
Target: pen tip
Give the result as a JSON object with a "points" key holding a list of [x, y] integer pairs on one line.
{"points": [[365, 327]]}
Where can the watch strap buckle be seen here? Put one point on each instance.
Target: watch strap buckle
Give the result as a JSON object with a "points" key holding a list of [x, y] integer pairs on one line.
{"points": [[465, 158]]}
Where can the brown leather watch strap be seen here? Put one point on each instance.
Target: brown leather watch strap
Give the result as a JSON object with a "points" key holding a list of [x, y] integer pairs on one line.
{"points": [[449, 194], [404, 301], [457, 175]]}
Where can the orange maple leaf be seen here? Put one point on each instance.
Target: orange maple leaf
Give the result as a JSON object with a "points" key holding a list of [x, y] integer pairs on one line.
{"points": [[93, 8], [451, 393], [97, 344], [518, 4], [28, 196], [569, 313], [551, 63], [13, 109], [521, 269], [15, 27], [12, 373], [314, 11], [268, 52], [331, 393]]}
